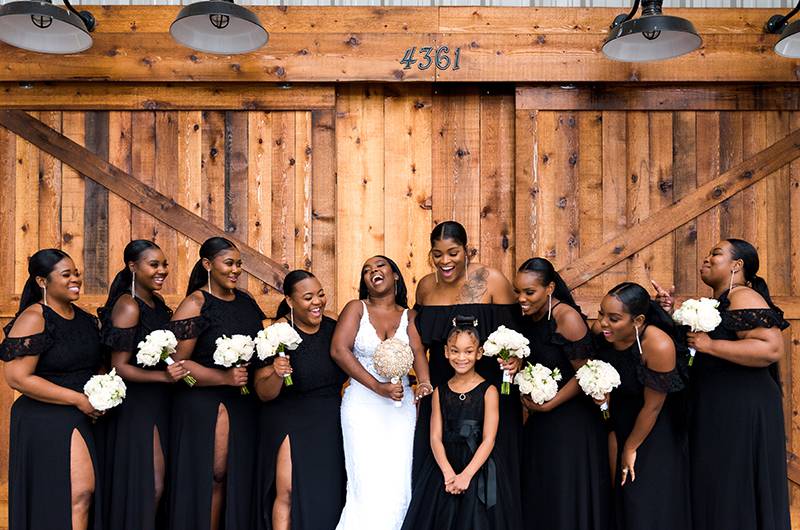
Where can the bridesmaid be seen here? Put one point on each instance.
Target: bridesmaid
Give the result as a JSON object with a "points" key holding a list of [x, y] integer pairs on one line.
{"points": [[213, 435], [51, 350], [138, 430], [300, 468], [565, 476], [458, 287], [648, 442], [737, 424]]}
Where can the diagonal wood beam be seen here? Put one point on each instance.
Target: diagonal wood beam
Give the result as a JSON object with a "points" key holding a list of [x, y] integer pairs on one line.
{"points": [[642, 234], [132, 190]]}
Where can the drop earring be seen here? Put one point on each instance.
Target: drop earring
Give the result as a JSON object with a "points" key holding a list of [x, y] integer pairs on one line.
{"points": [[730, 287], [133, 285], [638, 342], [291, 315], [549, 306], [44, 295], [209, 282]]}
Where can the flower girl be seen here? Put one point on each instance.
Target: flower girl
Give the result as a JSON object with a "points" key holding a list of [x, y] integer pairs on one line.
{"points": [[461, 489]]}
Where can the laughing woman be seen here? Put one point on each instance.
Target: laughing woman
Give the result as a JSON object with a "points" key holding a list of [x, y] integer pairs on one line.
{"points": [[138, 429], [213, 434], [51, 350], [300, 473], [458, 287], [737, 421]]}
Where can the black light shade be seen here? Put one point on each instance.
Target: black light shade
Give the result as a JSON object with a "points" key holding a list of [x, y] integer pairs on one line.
{"points": [[218, 26], [789, 43], [39, 26], [652, 37]]}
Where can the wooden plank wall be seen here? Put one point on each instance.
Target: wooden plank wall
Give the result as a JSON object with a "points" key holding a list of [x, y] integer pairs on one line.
{"points": [[527, 174]]}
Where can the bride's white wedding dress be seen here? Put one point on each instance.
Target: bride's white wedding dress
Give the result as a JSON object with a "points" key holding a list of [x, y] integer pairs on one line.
{"points": [[378, 443]]}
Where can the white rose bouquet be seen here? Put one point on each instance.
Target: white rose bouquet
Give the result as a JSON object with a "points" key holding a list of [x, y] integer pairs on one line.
{"points": [[596, 379], [393, 359], [276, 339], [159, 345], [506, 343], [699, 315], [539, 382], [105, 391], [234, 351]]}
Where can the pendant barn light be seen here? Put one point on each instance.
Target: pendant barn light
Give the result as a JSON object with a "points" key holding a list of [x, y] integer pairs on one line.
{"points": [[218, 26], [39, 26], [789, 43], [651, 37]]}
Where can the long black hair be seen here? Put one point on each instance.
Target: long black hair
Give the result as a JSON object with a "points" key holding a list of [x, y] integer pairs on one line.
{"points": [[636, 301], [452, 230], [547, 275], [401, 291], [464, 324], [289, 283], [40, 265], [749, 255], [124, 278], [208, 250]]}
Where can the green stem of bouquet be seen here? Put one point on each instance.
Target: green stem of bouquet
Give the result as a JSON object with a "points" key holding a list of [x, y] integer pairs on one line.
{"points": [[287, 380], [505, 387]]}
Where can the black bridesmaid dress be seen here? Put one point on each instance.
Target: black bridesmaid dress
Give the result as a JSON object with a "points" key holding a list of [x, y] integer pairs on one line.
{"points": [[128, 458], [659, 497], [194, 419], [486, 504], [39, 492], [433, 324], [566, 484], [737, 441], [306, 412]]}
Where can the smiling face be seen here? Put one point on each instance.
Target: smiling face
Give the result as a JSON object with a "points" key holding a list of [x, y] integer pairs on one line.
{"points": [[449, 259], [226, 267], [63, 283], [307, 302], [378, 276], [532, 296], [150, 270], [617, 324], [463, 351], [718, 265]]}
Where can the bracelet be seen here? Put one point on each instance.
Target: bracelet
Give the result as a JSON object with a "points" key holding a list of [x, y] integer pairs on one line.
{"points": [[425, 383]]}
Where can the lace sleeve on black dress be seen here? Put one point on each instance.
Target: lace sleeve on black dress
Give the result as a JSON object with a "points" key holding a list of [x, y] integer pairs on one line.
{"points": [[746, 319], [189, 328], [665, 382], [13, 348], [582, 348], [120, 339]]}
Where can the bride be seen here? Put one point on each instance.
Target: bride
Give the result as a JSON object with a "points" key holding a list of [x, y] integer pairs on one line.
{"points": [[378, 436]]}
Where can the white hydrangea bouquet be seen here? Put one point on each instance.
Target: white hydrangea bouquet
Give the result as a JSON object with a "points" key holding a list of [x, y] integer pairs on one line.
{"points": [[506, 343], [596, 379], [539, 382], [276, 339], [700, 316], [105, 391], [159, 345], [234, 351], [393, 359]]}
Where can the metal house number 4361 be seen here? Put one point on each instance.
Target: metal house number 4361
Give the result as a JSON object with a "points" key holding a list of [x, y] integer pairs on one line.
{"points": [[429, 56]]}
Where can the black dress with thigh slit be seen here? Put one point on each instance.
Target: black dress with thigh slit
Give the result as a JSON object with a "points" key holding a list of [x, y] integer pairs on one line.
{"points": [[307, 413], [194, 420], [130, 429], [39, 484]]}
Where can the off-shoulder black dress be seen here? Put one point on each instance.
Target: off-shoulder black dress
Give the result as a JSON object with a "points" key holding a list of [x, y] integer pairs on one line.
{"points": [[194, 420], [307, 412], [659, 497], [39, 486], [128, 455], [566, 484], [433, 324], [737, 441]]}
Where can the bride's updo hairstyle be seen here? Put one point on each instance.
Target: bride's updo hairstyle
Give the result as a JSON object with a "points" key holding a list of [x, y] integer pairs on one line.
{"points": [[452, 230], [464, 324]]}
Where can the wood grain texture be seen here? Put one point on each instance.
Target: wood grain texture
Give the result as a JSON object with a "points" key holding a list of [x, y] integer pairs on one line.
{"points": [[95, 210], [120, 134], [49, 189], [323, 198]]}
